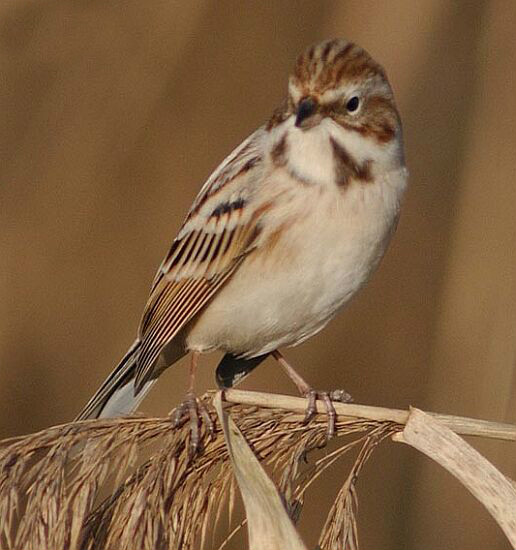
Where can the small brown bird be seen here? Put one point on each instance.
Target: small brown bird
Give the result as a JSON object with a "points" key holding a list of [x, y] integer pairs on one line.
{"points": [[284, 232]]}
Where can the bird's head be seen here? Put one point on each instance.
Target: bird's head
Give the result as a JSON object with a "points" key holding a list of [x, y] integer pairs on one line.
{"points": [[338, 89]]}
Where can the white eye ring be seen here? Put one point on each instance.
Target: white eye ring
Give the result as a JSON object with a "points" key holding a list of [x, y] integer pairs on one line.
{"points": [[353, 104]]}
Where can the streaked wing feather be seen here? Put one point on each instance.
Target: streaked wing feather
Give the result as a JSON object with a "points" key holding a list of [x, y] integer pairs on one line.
{"points": [[220, 229], [240, 161]]}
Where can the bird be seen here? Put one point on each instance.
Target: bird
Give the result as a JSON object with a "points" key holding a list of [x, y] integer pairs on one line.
{"points": [[281, 236]]}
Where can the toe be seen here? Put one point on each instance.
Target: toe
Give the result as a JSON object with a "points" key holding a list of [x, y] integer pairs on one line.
{"points": [[340, 396], [311, 407]]}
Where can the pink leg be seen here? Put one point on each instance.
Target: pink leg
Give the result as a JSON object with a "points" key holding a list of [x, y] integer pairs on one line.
{"points": [[312, 395]]}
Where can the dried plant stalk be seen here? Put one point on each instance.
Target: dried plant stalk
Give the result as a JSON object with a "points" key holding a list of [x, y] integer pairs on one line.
{"points": [[269, 525], [458, 424], [479, 476]]}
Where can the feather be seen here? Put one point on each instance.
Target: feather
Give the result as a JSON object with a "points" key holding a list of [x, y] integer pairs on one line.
{"points": [[220, 229]]}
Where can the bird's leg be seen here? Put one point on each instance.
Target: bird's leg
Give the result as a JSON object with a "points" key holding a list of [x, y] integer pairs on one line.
{"points": [[193, 406], [312, 395]]}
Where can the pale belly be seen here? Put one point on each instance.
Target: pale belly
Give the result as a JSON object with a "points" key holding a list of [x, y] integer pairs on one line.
{"points": [[287, 295]]}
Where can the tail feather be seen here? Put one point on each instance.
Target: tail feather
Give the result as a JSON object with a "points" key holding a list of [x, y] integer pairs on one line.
{"points": [[116, 396]]}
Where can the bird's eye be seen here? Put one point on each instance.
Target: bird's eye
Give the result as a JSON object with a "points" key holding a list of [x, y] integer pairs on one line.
{"points": [[353, 104]]}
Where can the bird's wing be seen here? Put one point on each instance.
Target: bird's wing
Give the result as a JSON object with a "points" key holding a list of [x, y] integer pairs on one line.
{"points": [[221, 227]]}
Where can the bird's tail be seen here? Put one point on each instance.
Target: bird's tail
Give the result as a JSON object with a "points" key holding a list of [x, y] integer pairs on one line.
{"points": [[116, 396]]}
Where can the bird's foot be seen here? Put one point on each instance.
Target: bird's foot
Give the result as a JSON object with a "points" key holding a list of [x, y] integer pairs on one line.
{"points": [[328, 398], [194, 411]]}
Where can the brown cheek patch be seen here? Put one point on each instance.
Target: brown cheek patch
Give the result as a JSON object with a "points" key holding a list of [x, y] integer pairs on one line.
{"points": [[347, 169], [380, 132], [382, 118], [383, 132], [378, 121]]}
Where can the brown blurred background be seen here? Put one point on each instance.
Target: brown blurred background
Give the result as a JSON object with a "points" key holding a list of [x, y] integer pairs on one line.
{"points": [[114, 113]]}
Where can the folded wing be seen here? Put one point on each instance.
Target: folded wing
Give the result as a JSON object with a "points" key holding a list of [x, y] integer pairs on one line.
{"points": [[221, 228]]}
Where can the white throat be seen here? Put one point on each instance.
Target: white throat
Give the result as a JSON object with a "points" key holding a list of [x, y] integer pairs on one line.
{"points": [[309, 154], [311, 158]]}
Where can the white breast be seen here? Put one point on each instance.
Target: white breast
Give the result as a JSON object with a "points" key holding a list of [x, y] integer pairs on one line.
{"points": [[332, 240]]}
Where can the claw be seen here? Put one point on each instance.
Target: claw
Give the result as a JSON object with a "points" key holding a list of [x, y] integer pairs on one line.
{"points": [[328, 398], [208, 420], [178, 418], [192, 410], [340, 396], [330, 411]]}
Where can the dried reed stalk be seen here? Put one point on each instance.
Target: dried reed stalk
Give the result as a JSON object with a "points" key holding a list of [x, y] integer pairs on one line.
{"points": [[459, 424], [496, 492], [128, 483]]}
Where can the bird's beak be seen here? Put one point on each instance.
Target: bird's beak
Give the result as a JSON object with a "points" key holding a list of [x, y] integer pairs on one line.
{"points": [[306, 109]]}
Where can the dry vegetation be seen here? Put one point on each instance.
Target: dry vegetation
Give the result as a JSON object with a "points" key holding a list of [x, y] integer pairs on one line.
{"points": [[129, 483]]}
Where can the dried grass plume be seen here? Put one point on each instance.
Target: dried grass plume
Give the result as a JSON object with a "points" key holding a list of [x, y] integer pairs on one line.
{"points": [[129, 484]]}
